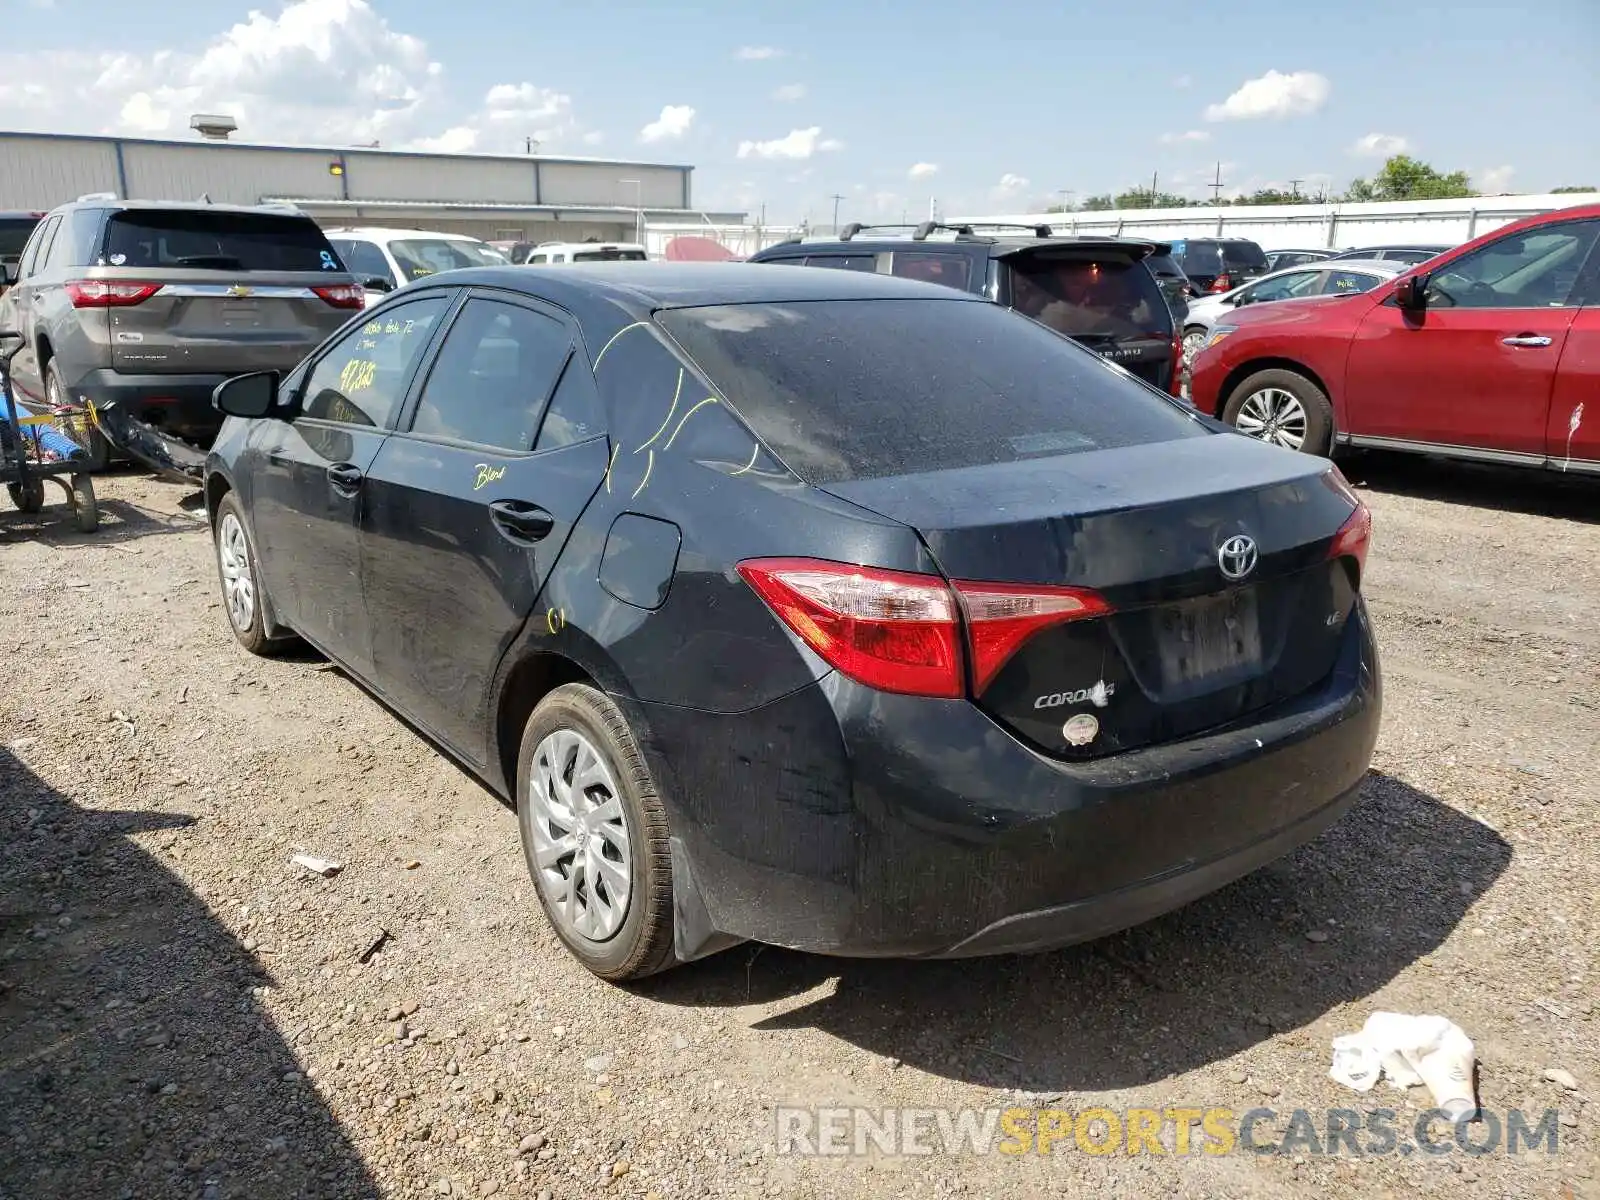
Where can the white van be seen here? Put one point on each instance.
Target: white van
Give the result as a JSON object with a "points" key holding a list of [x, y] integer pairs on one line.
{"points": [[385, 259], [570, 252]]}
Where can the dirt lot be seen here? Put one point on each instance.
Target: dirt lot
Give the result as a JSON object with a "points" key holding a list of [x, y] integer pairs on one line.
{"points": [[185, 1014]]}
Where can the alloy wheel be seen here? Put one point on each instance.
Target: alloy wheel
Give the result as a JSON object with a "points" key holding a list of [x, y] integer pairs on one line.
{"points": [[1273, 415]]}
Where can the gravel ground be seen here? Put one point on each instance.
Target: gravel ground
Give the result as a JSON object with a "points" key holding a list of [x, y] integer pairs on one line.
{"points": [[185, 1014]]}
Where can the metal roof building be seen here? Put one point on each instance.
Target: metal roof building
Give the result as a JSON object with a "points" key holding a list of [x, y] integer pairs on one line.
{"points": [[525, 197]]}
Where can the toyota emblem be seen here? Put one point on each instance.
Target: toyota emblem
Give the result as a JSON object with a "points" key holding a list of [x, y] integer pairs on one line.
{"points": [[1237, 556]]}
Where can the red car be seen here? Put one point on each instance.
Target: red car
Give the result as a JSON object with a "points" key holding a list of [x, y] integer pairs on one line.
{"points": [[1488, 351]]}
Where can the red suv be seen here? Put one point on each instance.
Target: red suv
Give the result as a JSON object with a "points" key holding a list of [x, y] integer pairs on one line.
{"points": [[1487, 351]]}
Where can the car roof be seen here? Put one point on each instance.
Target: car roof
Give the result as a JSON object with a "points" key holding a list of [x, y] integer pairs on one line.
{"points": [[1378, 266], [276, 210], [641, 288], [997, 246]]}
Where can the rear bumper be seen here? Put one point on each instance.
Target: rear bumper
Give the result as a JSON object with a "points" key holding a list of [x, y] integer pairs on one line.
{"points": [[846, 821], [166, 422]]}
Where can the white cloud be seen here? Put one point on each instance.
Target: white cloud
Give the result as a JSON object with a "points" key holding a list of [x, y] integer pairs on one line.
{"points": [[458, 139], [1191, 135], [1494, 180], [314, 71], [673, 122], [1274, 94], [922, 170], [790, 92], [757, 53], [797, 143], [1380, 145], [1010, 184]]}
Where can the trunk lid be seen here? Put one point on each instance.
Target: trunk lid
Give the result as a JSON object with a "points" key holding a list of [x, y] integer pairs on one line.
{"points": [[1185, 648]]}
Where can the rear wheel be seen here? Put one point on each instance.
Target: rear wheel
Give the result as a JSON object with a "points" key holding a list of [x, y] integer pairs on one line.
{"points": [[594, 834], [28, 497], [1194, 338], [85, 508], [1284, 408]]}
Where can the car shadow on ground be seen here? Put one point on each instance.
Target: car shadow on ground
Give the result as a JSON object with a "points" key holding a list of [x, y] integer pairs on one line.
{"points": [[1571, 497], [119, 522], [135, 1060], [1397, 874]]}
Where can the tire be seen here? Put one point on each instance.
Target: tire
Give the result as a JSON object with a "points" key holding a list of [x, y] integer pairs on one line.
{"points": [[1283, 408], [573, 722], [1194, 338], [81, 429], [28, 497], [85, 508], [236, 560]]}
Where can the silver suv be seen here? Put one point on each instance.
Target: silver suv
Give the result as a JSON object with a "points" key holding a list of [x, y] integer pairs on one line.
{"points": [[133, 311]]}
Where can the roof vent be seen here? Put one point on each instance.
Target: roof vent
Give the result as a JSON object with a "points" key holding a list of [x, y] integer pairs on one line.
{"points": [[214, 127]]}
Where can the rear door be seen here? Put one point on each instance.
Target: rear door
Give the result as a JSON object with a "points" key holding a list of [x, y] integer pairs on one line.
{"points": [[465, 512], [1100, 297], [18, 312], [1476, 368], [228, 291], [309, 487]]}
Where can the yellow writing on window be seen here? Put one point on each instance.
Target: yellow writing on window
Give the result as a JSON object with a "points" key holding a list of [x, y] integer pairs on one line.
{"points": [[357, 375]]}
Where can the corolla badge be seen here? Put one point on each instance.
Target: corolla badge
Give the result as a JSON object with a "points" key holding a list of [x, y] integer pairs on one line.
{"points": [[1237, 556]]}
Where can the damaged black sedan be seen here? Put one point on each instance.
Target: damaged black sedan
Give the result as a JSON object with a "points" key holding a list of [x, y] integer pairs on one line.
{"points": [[132, 312], [818, 608]]}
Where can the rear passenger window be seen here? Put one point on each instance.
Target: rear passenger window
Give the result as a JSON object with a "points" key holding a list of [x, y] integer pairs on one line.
{"points": [[494, 372], [363, 378], [34, 260], [844, 262], [950, 270]]}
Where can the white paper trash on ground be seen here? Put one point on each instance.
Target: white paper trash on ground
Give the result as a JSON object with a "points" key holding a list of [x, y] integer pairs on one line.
{"points": [[325, 867], [1410, 1050]]}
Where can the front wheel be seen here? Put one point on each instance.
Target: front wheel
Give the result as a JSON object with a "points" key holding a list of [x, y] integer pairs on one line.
{"points": [[1284, 408], [1194, 340], [594, 833], [237, 570], [85, 508], [28, 497]]}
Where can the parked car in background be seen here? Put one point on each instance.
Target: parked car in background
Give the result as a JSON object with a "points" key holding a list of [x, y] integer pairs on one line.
{"points": [[15, 227], [819, 608], [1098, 291], [1219, 264], [1490, 351], [516, 253], [1174, 284], [1328, 278], [1278, 260], [385, 260], [133, 311], [1407, 254], [546, 253]]}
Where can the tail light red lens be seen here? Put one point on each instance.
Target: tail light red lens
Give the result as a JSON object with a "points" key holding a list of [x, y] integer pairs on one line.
{"points": [[1222, 283], [1175, 386], [899, 631], [109, 293], [342, 295], [1355, 535]]}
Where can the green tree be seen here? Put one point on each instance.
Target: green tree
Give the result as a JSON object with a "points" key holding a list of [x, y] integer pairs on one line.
{"points": [[1144, 198], [1563, 191], [1100, 203], [1271, 196], [1405, 178]]}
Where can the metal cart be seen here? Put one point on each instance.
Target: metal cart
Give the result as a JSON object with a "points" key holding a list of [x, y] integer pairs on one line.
{"points": [[24, 438]]}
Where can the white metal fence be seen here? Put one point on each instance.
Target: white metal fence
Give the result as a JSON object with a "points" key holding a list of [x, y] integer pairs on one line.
{"points": [[1312, 226]]}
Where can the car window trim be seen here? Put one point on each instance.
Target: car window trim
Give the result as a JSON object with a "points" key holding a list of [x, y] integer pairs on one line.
{"points": [[407, 413], [309, 368], [30, 264]]}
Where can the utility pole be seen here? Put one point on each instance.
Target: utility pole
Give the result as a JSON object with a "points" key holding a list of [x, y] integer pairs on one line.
{"points": [[1216, 187], [1152, 189], [836, 198], [1294, 188], [532, 144], [1066, 198]]}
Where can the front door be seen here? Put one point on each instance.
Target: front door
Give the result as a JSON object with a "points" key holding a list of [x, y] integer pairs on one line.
{"points": [[18, 311], [308, 492], [1476, 367], [467, 511]]}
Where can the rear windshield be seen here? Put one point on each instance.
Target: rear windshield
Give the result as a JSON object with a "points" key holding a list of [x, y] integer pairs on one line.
{"points": [[1163, 265], [845, 390], [609, 256], [1079, 297], [421, 257], [14, 233], [222, 241], [1211, 258]]}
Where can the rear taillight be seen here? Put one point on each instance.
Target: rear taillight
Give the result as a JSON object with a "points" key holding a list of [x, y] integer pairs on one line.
{"points": [[109, 293], [897, 631], [1355, 535], [1222, 283], [343, 295], [1175, 386]]}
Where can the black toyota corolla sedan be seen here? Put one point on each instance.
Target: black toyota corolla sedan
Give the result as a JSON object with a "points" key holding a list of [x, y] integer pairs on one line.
{"points": [[825, 609]]}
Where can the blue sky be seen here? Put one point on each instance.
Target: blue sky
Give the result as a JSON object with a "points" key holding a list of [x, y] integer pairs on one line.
{"points": [[1002, 104]]}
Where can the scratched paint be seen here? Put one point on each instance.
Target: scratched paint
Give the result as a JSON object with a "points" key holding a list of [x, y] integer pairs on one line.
{"points": [[1573, 424]]}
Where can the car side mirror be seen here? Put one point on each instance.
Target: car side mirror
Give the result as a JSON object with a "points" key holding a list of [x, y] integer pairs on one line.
{"points": [[377, 283], [1411, 293], [251, 396]]}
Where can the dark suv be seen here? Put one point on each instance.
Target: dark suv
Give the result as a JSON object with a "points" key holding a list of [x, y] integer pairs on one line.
{"points": [[1218, 265], [133, 311], [1098, 291]]}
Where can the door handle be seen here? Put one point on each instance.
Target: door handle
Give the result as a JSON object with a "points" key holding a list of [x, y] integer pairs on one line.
{"points": [[521, 521], [1526, 339], [345, 477]]}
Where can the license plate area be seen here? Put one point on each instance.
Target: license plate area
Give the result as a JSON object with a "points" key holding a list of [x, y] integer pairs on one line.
{"points": [[1208, 643]]}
